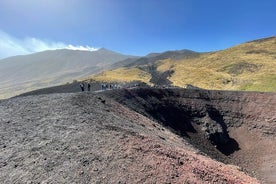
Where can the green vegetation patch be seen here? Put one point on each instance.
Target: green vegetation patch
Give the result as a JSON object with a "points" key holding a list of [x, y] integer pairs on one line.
{"points": [[266, 84], [241, 67]]}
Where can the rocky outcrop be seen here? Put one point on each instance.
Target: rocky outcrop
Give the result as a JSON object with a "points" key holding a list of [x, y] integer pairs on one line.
{"points": [[214, 131]]}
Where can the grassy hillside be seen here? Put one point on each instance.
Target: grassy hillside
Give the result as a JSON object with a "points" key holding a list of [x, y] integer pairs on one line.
{"points": [[123, 75], [250, 66]]}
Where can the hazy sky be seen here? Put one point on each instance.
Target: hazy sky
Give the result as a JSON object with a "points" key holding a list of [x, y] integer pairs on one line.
{"points": [[134, 27]]}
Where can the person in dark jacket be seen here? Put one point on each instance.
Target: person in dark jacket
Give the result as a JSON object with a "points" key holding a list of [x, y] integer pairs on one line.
{"points": [[88, 87], [82, 86]]}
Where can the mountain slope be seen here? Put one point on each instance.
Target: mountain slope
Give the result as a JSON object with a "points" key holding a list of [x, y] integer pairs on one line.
{"points": [[24, 73], [151, 58], [143, 68], [248, 66]]}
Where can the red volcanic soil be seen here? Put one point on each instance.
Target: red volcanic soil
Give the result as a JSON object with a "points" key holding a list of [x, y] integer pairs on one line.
{"points": [[137, 136]]}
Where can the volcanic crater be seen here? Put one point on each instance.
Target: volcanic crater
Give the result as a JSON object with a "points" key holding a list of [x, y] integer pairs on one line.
{"points": [[140, 135], [232, 127]]}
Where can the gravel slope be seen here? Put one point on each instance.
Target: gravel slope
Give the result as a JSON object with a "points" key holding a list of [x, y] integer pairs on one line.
{"points": [[89, 138]]}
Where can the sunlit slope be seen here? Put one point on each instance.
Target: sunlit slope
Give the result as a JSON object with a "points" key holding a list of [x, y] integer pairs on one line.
{"points": [[249, 66], [123, 75]]}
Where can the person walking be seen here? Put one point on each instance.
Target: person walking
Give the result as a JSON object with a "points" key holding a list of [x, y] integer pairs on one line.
{"points": [[88, 86], [82, 86]]}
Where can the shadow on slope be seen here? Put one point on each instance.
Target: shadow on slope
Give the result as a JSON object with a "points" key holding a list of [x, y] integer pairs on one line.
{"points": [[200, 123]]}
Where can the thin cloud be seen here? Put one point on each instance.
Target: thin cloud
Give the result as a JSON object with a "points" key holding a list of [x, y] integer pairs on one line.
{"points": [[11, 46], [79, 47]]}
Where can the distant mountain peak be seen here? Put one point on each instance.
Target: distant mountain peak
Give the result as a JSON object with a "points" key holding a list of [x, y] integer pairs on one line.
{"points": [[54, 66], [103, 49], [183, 51]]}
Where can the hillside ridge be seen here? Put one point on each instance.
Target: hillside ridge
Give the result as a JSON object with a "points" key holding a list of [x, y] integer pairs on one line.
{"points": [[249, 66]]}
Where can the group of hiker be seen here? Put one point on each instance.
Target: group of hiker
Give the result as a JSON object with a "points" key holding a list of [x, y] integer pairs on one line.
{"points": [[104, 86], [82, 86], [109, 86]]}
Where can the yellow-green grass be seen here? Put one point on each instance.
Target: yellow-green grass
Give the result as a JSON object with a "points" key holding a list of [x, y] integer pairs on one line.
{"points": [[249, 66], [123, 75]]}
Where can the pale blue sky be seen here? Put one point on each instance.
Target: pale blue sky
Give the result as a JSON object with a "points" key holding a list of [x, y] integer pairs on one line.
{"points": [[134, 27]]}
